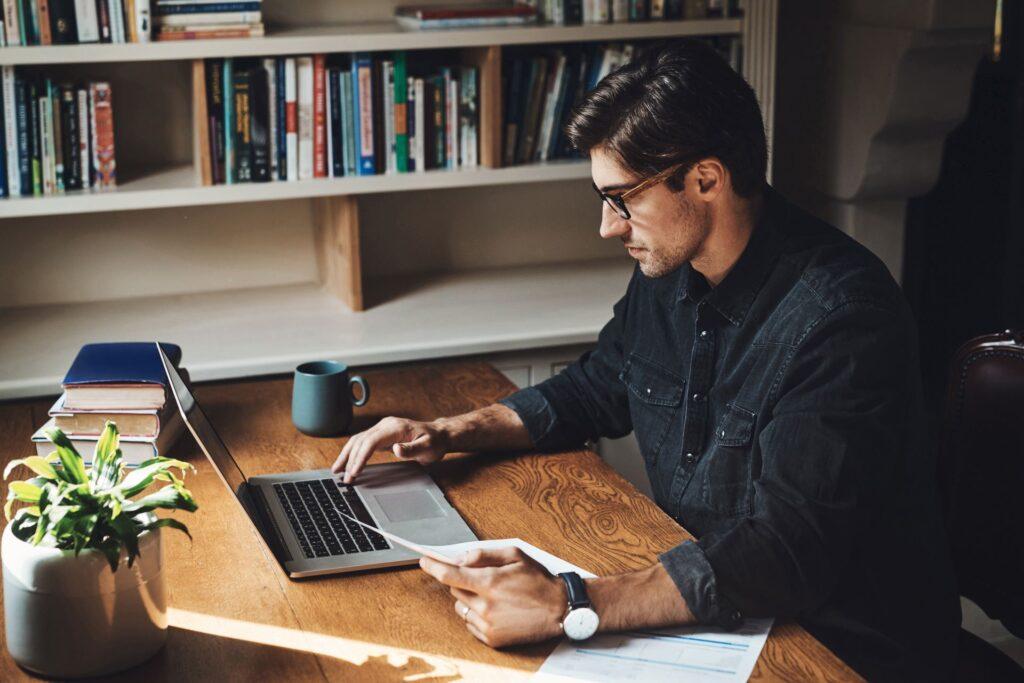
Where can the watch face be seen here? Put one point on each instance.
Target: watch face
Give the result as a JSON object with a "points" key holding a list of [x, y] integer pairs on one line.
{"points": [[580, 623]]}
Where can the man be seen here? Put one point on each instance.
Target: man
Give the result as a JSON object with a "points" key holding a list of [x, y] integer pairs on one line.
{"points": [[767, 365]]}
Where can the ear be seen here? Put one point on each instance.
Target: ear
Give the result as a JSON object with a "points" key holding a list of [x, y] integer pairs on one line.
{"points": [[712, 178]]}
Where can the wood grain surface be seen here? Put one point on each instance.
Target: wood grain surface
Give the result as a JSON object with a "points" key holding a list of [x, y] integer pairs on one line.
{"points": [[234, 614]]}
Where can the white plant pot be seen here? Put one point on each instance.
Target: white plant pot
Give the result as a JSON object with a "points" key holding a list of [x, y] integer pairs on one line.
{"points": [[70, 616]]}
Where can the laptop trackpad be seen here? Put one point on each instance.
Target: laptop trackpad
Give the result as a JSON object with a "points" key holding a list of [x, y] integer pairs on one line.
{"points": [[405, 506]]}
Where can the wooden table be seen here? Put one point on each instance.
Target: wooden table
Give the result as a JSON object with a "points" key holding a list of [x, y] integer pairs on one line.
{"points": [[235, 616]]}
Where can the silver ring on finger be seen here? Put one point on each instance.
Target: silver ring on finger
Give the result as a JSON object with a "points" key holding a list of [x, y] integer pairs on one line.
{"points": [[465, 612]]}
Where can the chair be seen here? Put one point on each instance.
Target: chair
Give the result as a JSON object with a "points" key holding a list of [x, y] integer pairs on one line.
{"points": [[981, 469]]}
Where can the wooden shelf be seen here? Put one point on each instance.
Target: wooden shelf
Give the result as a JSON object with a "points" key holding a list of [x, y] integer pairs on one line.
{"points": [[178, 186], [386, 35], [269, 330]]}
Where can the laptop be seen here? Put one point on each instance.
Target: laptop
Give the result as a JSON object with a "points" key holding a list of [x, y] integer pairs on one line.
{"points": [[297, 514]]}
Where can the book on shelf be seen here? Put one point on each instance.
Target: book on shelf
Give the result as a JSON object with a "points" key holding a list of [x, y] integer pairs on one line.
{"points": [[330, 116], [425, 17], [58, 137], [137, 422], [118, 375], [64, 22], [203, 19], [135, 449]]}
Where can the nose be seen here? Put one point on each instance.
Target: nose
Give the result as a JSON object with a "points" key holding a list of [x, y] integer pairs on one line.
{"points": [[612, 224]]}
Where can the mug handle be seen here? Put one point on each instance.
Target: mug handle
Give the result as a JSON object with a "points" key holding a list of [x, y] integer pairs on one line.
{"points": [[356, 379]]}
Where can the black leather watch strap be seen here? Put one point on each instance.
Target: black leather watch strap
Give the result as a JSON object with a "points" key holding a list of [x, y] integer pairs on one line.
{"points": [[575, 589]]}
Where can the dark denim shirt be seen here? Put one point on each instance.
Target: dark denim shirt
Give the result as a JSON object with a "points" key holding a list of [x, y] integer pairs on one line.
{"points": [[780, 419]]}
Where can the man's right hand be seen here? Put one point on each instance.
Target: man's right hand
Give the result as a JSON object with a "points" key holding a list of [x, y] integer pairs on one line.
{"points": [[424, 442]]}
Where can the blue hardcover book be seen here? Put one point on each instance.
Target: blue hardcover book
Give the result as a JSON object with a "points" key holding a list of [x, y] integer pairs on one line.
{"points": [[282, 120], [24, 153], [125, 375], [205, 8], [229, 122], [362, 104]]}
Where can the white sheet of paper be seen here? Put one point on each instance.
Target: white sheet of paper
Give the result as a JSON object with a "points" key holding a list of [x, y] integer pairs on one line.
{"points": [[451, 553], [670, 654]]}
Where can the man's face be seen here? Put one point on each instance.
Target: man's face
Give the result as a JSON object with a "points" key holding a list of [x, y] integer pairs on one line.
{"points": [[665, 228]]}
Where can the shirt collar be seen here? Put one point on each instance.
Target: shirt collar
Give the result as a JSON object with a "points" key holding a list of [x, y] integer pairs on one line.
{"points": [[734, 295]]}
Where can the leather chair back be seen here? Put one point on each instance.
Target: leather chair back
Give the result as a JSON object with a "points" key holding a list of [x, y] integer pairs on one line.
{"points": [[981, 467]]}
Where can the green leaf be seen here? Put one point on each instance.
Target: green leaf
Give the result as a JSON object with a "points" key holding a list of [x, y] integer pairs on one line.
{"points": [[73, 469], [168, 521], [169, 498], [141, 477], [106, 463], [127, 530], [24, 491]]}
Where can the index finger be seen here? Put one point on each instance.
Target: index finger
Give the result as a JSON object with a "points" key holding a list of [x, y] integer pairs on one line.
{"points": [[451, 575], [492, 557]]}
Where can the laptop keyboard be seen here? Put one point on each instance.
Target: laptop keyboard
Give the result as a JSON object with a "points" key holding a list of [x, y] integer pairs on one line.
{"points": [[312, 508]]}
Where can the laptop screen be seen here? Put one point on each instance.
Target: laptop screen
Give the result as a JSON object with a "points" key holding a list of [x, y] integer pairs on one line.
{"points": [[203, 432]]}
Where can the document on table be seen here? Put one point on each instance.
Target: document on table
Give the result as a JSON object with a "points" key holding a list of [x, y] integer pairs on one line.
{"points": [[666, 654], [689, 653]]}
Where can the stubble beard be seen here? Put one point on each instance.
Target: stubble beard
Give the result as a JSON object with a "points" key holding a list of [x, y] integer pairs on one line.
{"points": [[693, 227]]}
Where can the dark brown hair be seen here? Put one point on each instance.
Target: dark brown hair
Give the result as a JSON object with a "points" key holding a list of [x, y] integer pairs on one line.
{"points": [[676, 103]]}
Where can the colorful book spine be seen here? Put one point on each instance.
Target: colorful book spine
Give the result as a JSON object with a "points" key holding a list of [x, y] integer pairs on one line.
{"points": [[291, 109], [410, 126], [102, 124], [84, 139], [259, 123], [241, 128], [270, 67], [401, 113], [304, 74], [72, 138], [319, 118], [420, 123], [282, 118], [37, 138], [215, 115], [335, 137], [468, 117], [388, 87], [227, 78], [348, 122], [362, 94], [12, 23]]}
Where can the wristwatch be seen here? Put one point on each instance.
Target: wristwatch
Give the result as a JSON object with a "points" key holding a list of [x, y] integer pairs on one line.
{"points": [[581, 621]]}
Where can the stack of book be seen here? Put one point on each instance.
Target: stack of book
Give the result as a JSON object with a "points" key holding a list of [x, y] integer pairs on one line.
{"points": [[560, 12], [63, 22], [294, 118], [542, 87], [198, 19], [124, 383], [56, 136]]}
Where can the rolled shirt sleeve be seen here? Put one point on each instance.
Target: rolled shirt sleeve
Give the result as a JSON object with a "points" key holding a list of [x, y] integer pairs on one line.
{"points": [[583, 402]]}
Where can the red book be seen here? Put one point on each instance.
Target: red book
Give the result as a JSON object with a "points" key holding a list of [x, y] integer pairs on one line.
{"points": [[102, 125], [319, 118]]}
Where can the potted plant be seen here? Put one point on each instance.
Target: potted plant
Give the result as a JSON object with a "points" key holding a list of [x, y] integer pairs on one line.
{"points": [[84, 590]]}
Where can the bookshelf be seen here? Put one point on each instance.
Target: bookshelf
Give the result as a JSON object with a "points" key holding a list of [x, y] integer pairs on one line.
{"points": [[372, 269]]}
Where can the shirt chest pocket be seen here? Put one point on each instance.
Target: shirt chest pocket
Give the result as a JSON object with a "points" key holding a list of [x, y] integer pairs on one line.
{"points": [[655, 397], [727, 486]]}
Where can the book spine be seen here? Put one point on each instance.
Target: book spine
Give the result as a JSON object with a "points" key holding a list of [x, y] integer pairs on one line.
{"points": [[550, 104], [259, 124], [304, 71], [388, 87], [11, 131], [348, 123], [362, 84], [164, 9], [638, 10], [469, 117], [573, 11], [657, 9], [201, 18], [337, 154], [452, 124], [84, 137], [72, 138], [291, 119], [103, 22], [281, 112], [12, 23], [129, 21], [45, 32], [450, 160], [242, 127], [270, 67], [319, 118], [420, 123], [143, 21], [440, 127], [57, 119], [25, 136], [228, 113], [5, 150], [513, 106], [63, 23], [30, 18], [401, 113], [377, 111], [37, 139], [103, 135], [164, 35], [214, 69], [620, 10], [410, 126], [45, 141]]}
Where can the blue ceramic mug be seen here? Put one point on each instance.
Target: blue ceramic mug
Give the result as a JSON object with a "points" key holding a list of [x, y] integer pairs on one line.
{"points": [[322, 397]]}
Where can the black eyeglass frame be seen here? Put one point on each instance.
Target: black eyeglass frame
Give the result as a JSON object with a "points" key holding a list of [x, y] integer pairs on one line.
{"points": [[618, 201]]}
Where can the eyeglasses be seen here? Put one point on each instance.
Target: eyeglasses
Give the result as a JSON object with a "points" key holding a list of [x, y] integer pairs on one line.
{"points": [[618, 201]]}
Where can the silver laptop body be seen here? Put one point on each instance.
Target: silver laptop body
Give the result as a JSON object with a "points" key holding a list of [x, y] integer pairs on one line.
{"points": [[298, 515]]}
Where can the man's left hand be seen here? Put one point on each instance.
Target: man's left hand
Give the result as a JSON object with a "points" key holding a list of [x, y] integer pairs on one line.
{"points": [[511, 598]]}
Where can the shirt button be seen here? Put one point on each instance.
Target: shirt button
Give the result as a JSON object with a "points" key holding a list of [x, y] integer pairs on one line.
{"points": [[722, 433], [697, 397], [648, 390], [736, 616], [703, 333], [689, 457]]}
